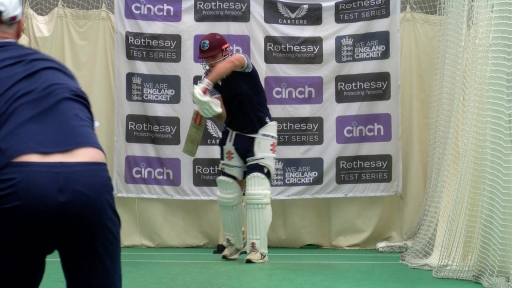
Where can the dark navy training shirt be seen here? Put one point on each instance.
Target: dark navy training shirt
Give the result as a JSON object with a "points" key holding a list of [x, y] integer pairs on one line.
{"points": [[244, 100], [42, 107]]}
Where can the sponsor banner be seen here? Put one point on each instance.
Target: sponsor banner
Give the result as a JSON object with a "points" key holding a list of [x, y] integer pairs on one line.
{"points": [[292, 13], [144, 170], [156, 130], [364, 169], [362, 47], [205, 172], [298, 172], [153, 10], [289, 172], [146, 88], [285, 90], [330, 74], [364, 87], [352, 11], [151, 47], [299, 131], [212, 132], [293, 50], [363, 128], [222, 11]]}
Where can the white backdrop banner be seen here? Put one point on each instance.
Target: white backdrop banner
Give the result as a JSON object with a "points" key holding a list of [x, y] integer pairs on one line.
{"points": [[331, 76]]}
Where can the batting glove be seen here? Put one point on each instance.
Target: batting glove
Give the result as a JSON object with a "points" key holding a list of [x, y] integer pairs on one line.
{"points": [[207, 106]]}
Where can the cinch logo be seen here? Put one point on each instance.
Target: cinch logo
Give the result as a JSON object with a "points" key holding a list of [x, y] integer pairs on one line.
{"points": [[149, 88], [290, 13], [282, 90], [149, 47], [293, 50], [152, 171], [240, 44], [362, 47], [351, 11], [363, 128], [222, 11], [153, 10], [363, 87]]}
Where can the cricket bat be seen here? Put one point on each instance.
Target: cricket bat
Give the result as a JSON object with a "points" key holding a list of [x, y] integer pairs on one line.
{"points": [[195, 132]]}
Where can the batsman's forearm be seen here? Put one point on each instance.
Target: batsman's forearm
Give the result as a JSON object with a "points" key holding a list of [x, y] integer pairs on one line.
{"points": [[224, 68], [220, 117], [219, 72]]}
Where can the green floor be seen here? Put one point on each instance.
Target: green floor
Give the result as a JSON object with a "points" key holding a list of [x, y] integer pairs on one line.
{"points": [[199, 267]]}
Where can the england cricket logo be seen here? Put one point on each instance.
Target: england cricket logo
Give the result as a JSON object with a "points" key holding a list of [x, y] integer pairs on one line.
{"points": [[136, 88], [347, 49], [279, 175]]}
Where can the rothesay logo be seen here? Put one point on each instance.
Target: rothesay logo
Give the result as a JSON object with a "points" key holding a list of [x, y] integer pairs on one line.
{"points": [[291, 13], [153, 10], [156, 130], [351, 11], [206, 171], [300, 90], [150, 47], [363, 87], [363, 169], [299, 131], [222, 10], [145, 170], [293, 50], [362, 47]]}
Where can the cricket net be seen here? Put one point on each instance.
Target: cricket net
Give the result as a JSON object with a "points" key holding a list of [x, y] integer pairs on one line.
{"points": [[465, 227]]}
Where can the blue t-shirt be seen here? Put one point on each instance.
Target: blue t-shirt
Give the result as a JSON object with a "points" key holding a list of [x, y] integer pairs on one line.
{"points": [[244, 99], [42, 108]]}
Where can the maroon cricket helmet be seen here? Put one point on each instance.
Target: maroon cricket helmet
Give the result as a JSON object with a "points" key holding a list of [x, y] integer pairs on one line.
{"points": [[212, 44]]}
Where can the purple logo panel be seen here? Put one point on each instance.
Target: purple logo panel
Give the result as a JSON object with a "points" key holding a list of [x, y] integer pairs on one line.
{"points": [[153, 10], [363, 128], [146, 170], [240, 44], [282, 90]]}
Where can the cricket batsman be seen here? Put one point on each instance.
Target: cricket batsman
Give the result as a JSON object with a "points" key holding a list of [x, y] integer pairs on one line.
{"points": [[231, 91]]}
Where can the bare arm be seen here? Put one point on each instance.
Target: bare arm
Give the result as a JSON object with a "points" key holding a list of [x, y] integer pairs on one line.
{"points": [[222, 116], [224, 68], [221, 70]]}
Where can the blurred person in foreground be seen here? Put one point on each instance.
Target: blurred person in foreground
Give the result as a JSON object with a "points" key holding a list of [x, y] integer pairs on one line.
{"points": [[231, 91], [55, 190]]}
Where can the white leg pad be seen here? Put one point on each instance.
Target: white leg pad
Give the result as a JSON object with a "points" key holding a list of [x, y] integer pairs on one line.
{"points": [[259, 211], [229, 198]]}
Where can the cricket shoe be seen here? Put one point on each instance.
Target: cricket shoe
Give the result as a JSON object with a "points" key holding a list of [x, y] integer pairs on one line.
{"points": [[231, 253], [255, 256]]}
